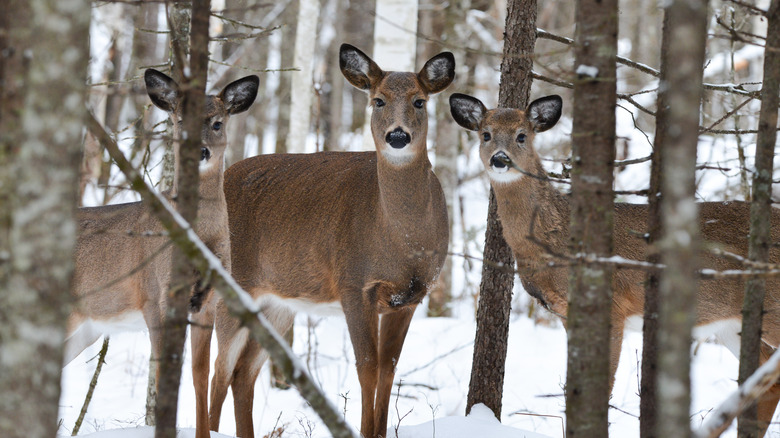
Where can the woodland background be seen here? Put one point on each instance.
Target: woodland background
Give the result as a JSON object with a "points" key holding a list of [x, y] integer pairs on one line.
{"points": [[305, 105]]}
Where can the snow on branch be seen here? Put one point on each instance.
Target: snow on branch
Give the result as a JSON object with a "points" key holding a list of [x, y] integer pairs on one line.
{"points": [[239, 303], [755, 386]]}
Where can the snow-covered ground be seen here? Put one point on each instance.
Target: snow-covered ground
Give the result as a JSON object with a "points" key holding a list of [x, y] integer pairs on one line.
{"points": [[433, 374]]}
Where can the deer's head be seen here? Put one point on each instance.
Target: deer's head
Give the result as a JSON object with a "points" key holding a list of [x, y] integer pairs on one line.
{"points": [[506, 135], [235, 98], [399, 122]]}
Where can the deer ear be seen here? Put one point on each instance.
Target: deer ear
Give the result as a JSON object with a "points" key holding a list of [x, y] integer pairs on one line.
{"points": [[543, 113], [239, 95], [467, 111], [360, 70], [438, 73], [163, 90]]}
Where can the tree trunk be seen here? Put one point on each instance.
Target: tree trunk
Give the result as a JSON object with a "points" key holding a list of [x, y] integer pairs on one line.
{"points": [[43, 72], [283, 92], [593, 155], [648, 403], [302, 89], [760, 218], [684, 58], [187, 179], [495, 290]]}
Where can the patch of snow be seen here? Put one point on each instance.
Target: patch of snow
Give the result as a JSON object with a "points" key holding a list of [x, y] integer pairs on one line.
{"points": [[587, 71]]}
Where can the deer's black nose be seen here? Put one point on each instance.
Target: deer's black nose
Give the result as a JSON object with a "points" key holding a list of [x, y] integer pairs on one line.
{"points": [[500, 160], [205, 154], [398, 138]]}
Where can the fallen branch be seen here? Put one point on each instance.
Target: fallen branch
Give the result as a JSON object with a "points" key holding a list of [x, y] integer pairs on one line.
{"points": [[238, 302], [755, 386]]}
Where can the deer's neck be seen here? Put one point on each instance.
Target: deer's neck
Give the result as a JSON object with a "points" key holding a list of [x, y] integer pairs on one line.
{"points": [[535, 217], [212, 207], [408, 193]]}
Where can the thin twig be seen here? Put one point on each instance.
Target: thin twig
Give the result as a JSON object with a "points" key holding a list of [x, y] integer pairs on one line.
{"points": [[92, 384]]}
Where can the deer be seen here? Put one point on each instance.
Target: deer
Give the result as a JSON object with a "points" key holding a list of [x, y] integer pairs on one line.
{"points": [[363, 234], [535, 220], [122, 255]]}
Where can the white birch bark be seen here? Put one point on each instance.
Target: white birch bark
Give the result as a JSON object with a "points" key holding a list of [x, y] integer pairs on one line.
{"points": [[302, 89], [395, 45]]}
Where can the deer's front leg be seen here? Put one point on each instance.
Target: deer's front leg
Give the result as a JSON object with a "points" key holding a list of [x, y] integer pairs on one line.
{"points": [[392, 333], [362, 322]]}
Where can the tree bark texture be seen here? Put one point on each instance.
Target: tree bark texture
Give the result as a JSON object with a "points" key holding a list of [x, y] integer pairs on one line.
{"points": [[187, 179], [760, 217], [495, 289], [648, 413], [684, 58], [43, 74], [283, 91], [593, 155]]}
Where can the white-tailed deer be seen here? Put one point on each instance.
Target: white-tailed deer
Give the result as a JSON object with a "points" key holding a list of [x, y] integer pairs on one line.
{"points": [[122, 256], [363, 233], [535, 219]]}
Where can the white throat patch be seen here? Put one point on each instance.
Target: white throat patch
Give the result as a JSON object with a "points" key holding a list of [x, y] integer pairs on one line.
{"points": [[397, 157], [506, 177]]}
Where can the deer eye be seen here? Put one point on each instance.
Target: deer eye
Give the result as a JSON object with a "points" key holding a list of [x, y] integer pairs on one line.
{"points": [[216, 126], [486, 136], [521, 138], [379, 102], [419, 103]]}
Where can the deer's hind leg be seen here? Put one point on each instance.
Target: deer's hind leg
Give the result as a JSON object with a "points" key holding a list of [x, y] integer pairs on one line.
{"points": [[248, 367], [767, 403]]}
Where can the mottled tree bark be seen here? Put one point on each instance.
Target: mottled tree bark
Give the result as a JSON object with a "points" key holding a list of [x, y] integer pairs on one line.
{"points": [[495, 290], [193, 86], [43, 74], [760, 217], [283, 91], [593, 155], [684, 58], [648, 412]]}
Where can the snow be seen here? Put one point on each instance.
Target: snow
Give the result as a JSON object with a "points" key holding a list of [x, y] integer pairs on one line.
{"points": [[587, 70]]}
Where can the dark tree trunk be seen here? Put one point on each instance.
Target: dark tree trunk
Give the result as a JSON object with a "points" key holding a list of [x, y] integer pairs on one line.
{"points": [[593, 153], [648, 413], [175, 322], [760, 217], [684, 58], [43, 72], [495, 290]]}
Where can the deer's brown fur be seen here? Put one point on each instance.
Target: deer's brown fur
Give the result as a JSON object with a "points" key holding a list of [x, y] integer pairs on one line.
{"points": [[123, 258], [535, 218], [363, 233]]}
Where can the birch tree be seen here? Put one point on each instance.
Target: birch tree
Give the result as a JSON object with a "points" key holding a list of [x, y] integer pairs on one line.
{"points": [[302, 87], [684, 58], [593, 156], [43, 72]]}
